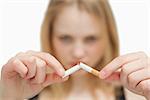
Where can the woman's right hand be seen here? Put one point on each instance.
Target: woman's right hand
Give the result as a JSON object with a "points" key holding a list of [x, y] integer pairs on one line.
{"points": [[24, 75]]}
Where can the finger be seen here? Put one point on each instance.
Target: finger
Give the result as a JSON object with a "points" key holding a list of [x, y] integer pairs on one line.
{"points": [[14, 66], [50, 60], [114, 77], [118, 62], [131, 67], [30, 62], [144, 88], [19, 54], [136, 77], [53, 78], [40, 72]]}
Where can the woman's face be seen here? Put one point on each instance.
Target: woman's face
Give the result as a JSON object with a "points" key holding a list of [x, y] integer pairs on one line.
{"points": [[78, 36]]}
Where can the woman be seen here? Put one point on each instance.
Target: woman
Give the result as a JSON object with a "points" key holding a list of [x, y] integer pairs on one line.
{"points": [[73, 31]]}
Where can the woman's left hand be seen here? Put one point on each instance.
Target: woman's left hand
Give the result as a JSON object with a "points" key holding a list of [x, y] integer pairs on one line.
{"points": [[134, 73]]}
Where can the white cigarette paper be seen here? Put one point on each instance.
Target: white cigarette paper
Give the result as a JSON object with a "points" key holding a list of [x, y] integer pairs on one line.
{"points": [[89, 69], [71, 70]]}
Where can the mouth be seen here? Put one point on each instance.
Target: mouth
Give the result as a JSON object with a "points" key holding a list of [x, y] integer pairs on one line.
{"points": [[75, 63], [71, 64]]}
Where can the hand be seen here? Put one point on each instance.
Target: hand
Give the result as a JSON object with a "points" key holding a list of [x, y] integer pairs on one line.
{"points": [[134, 74], [24, 75]]}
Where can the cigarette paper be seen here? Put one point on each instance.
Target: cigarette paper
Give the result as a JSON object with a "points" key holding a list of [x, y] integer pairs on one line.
{"points": [[89, 69], [71, 70]]}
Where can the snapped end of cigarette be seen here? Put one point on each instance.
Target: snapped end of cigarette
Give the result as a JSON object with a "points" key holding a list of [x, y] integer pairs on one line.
{"points": [[89, 69], [71, 70], [78, 67]]}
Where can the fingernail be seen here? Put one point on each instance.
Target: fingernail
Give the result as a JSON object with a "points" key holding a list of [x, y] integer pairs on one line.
{"points": [[60, 73], [45, 84], [102, 74], [66, 78]]}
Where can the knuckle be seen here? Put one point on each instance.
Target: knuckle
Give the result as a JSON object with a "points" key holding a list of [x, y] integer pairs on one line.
{"points": [[131, 80], [146, 87], [31, 75], [31, 59], [20, 54], [148, 71], [148, 62], [122, 59], [142, 54], [29, 51], [47, 55], [40, 63], [38, 81], [14, 61], [143, 62], [124, 69]]}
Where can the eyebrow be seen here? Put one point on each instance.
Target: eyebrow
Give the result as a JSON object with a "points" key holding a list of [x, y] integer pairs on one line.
{"points": [[86, 36]]}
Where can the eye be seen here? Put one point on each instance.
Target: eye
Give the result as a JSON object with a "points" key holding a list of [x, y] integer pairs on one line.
{"points": [[91, 39], [66, 39]]}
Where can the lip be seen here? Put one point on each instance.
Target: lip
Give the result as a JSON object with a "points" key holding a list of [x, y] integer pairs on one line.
{"points": [[71, 64], [74, 63]]}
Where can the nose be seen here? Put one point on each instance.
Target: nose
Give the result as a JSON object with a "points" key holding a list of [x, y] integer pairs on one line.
{"points": [[79, 52]]}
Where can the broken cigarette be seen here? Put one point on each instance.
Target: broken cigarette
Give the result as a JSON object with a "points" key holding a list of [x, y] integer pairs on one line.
{"points": [[71, 70], [89, 69]]}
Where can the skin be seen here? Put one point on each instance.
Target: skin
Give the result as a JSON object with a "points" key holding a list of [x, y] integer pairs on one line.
{"points": [[24, 75], [83, 37], [134, 74]]}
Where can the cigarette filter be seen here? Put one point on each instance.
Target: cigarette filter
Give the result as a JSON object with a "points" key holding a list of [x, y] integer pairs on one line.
{"points": [[89, 69]]}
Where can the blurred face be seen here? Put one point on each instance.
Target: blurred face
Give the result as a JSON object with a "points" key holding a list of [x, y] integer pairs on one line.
{"points": [[78, 36]]}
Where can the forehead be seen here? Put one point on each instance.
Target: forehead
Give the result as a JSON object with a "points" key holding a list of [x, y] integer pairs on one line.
{"points": [[71, 20]]}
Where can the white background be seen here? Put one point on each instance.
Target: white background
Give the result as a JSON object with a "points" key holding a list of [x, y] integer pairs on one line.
{"points": [[20, 22]]}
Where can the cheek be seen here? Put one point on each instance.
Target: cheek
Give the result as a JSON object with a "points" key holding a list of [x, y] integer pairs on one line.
{"points": [[97, 49], [57, 47], [96, 52], [61, 51]]}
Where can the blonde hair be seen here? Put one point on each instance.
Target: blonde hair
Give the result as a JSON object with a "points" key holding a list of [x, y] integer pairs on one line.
{"points": [[99, 8]]}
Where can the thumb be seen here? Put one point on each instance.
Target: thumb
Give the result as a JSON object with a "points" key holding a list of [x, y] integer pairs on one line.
{"points": [[53, 78], [114, 77]]}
